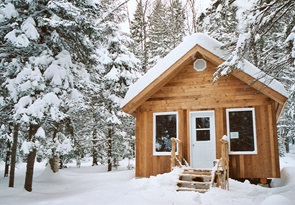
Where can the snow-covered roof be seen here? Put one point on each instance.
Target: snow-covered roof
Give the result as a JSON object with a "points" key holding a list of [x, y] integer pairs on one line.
{"points": [[211, 45]]}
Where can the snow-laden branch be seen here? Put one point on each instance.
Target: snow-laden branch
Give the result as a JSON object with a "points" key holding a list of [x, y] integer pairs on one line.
{"points": [[105, 17]]}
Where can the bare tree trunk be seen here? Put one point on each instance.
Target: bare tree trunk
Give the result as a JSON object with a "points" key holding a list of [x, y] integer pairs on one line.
{"points": [[109, 149], [61, 161], [30, 170], [193, 22], [13, 155], [31, 160], [7, 159], [144, 43], [8, 152], [287, 144], [94, 147], [53, 161]]}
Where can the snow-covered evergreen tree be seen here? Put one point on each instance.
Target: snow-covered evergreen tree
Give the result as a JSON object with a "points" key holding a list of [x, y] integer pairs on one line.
{"points": [[65, 66], [139, 33], [119, 69], [46, 42], [176, 17], [259, 31], [158, 31]]}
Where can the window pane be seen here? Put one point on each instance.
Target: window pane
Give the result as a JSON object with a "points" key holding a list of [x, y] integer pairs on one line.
{"points": [[203, 135], [165, 130], [202, 122], [241, 131]]}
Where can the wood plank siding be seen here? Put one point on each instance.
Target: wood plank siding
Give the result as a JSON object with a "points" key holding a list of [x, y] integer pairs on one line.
{"points": [[189, 90]]}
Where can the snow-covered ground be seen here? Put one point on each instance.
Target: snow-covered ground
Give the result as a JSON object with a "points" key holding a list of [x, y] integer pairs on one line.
{"points": [[94, 185]]}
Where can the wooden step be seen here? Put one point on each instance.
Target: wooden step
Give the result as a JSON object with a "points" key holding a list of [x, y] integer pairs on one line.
{"points": [[198, 180], [197, 172], [193, 183], [195, 175], [192, 189], [195, 169]]}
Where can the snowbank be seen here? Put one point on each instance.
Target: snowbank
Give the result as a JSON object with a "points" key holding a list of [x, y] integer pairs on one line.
{"points": [[90, 185]]}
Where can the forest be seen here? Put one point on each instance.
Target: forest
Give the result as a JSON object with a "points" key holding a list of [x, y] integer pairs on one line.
{"points": [[65, 66]]}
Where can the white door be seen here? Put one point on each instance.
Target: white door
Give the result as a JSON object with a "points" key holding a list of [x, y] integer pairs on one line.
{"points": [[203, 150]]}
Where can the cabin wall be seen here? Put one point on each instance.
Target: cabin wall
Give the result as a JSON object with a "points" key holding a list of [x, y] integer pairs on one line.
{"points": [[194, 91], [265, 164]]}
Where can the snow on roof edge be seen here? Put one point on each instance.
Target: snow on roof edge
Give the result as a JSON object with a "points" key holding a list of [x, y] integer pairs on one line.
{"points": [[189, 42], [208, 43], [262, 77]]}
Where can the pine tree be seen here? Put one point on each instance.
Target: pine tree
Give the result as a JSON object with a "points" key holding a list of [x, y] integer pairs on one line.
{"points": [[158, 32], [258, 31], [5, 153], [66, 66], [139, 33], [118, 72], [47, 43], [176, 17], [220, 22]]}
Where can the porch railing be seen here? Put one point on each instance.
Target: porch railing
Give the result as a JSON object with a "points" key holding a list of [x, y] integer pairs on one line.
{"points": [[176, 159], [222, 167]]}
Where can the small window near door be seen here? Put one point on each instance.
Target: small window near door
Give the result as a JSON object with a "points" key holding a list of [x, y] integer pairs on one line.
{"points": [[241, 130], [202, 129], [165, 127]]}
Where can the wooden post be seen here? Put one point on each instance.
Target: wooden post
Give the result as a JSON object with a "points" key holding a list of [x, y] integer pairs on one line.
{"points": [[180, 151], [225, 163], [174, 142], [173, 152]]}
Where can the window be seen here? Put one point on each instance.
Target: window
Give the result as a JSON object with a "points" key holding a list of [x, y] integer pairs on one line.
{"points": [[202, 129], [241, 130], [165, 127], [200, 65]]}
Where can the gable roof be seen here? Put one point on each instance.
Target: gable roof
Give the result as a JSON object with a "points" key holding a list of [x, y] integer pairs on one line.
{"points": [[210, 49]]}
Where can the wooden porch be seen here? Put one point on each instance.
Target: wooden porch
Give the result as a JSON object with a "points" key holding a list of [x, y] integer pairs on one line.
{"points": [[201, 180]]}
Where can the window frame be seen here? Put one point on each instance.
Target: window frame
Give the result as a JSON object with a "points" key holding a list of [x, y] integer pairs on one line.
{"points": [[203, 129], [254, 130], [198, 68], [156, 153]]}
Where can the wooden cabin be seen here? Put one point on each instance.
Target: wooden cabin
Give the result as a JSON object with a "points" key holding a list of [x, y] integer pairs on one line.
{"points": [[177, 98]]}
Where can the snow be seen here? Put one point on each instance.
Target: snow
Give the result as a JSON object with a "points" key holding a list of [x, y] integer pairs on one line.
{"points": [[26, 107], [57, 71], [76, 94], [276, 199], [291, 38], [17, 39], [1, 101], [64, 147], [207, 43], [26, 147], [244, 6], [94, 185], [113, 74], [28, 27], [40, 133], [7, 12], [225, 138]]}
